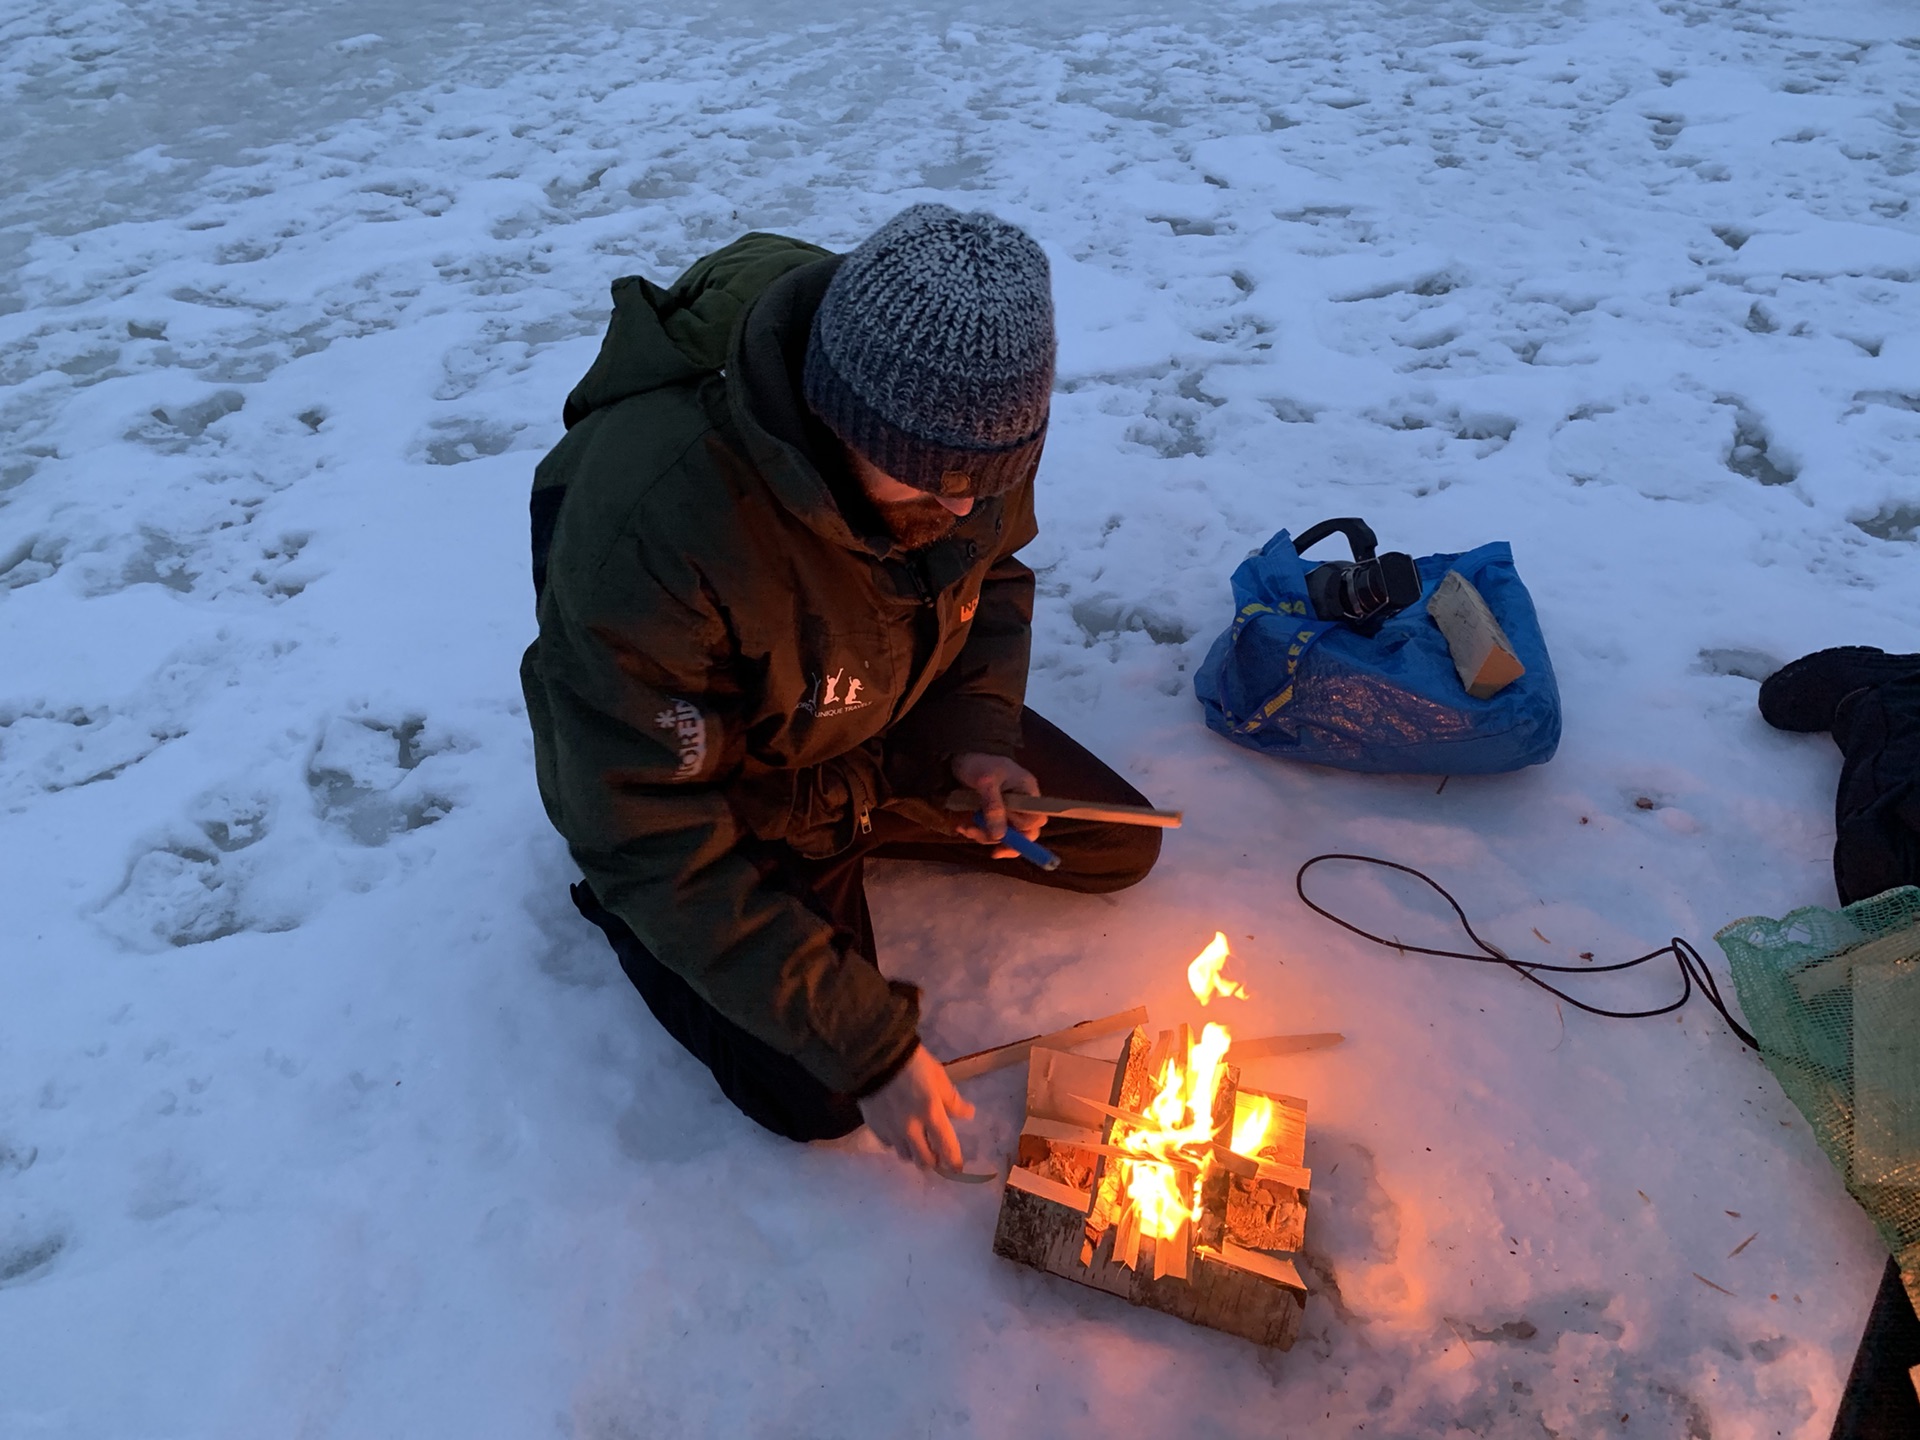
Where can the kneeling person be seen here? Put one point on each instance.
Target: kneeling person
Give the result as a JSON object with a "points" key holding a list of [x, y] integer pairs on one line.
{"points": [[780, 617]]}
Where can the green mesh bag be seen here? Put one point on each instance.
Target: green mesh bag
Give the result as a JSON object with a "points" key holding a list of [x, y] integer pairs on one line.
{"points": [[1833, 996]]}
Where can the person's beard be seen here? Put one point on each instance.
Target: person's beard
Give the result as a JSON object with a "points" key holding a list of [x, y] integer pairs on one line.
{"points": [[916, 523]]}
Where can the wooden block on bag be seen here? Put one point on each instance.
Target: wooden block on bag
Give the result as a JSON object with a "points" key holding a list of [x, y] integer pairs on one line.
{"points": [[1831, 976], [1482, 654], [1886, 1074]]}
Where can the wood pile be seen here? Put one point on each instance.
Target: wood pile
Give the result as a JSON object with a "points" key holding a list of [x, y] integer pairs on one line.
{"points": [[1065, 1210]]}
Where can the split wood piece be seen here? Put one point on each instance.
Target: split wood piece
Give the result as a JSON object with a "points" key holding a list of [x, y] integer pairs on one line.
{"points": [[1180, 1165], [1225, 1101], [1273, 1267], [1157, 1057], [1051, 1191], [1067, 1153], [1237, 1291], [1129, 1090], [965, 1067], [1270, 1045], [1126, 1237], [1225, 1161], [1286, 1138], [1215, 1197], [1062, 1152], [1210, 1226], [1076, 809], [1061, 1132], [1828, 977], [1482, 655], [1133, 1120], [1264, 1214], [1226, 1158], [1055, 1080], [1173, 1254], [1298, 1176], [1886, 1073]]}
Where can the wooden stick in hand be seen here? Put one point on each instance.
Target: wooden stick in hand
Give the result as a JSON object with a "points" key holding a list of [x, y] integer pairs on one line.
{"points": [[1076, 809]]}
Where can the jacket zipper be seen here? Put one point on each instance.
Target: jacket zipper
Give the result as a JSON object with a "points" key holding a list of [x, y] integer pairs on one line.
{"points": [[920, 581]]}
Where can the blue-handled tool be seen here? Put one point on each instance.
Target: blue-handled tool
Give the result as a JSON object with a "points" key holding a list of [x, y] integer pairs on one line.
{"points": [[1031, 851]]}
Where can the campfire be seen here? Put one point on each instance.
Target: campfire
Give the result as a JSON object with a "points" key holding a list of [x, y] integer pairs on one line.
{"points": [[1158, 1178]]}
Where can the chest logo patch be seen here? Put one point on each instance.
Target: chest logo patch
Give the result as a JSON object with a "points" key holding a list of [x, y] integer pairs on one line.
{"points": [[967, 607], [835, 694]]}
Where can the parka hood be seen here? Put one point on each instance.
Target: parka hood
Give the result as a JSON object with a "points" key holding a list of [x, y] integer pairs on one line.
{"points": [[659, 337]]}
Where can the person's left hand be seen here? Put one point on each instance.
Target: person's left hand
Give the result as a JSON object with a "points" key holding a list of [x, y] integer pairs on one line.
{"points": [[913, 1113], [992, 777]]}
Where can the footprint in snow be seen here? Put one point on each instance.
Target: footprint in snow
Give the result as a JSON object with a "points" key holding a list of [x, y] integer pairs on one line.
{"points": [[366, 777], [456, 442], [194, 883], [29, 1255]]}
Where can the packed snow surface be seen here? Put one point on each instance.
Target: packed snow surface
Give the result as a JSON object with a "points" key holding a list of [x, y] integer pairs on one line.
{"points": [[322, 1113]]}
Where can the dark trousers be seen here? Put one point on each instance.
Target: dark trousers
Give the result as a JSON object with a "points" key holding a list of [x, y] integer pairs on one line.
{"points": [[1879, 1402], [1877, 847], [772, 1088], [1877, 811]]}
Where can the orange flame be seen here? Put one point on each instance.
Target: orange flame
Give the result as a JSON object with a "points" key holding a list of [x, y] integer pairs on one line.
{"points": [[1252, 1120], [1182, 1114], [1203, 975], [1182, 1135]]}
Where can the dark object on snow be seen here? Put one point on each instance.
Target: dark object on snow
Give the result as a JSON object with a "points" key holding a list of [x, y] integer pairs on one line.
{"points": [[1283, 680], [1804, 694], [1876, 842], [1693, 969], [1880, 1403], [1365, 592], [1871, 702]]}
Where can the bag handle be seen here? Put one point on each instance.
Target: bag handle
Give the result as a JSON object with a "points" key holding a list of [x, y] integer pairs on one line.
{"points": [[1360, 536]]}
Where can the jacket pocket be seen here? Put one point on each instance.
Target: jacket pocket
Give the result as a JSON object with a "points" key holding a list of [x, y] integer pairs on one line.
{"points": [[818, 810]]}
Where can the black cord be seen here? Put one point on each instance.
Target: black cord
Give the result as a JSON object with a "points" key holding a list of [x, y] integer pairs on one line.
{"points": [[1693, 969]]}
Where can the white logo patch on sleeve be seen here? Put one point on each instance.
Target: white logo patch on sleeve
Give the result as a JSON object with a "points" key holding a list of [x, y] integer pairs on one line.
{"points": [[683, 720]]}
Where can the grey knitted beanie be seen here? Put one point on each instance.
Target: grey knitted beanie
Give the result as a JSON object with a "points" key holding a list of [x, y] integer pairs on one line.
{"points": [[932, 351]]}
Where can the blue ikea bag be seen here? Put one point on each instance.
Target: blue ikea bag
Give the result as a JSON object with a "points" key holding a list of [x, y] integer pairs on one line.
{"points": [[1282, 680]]}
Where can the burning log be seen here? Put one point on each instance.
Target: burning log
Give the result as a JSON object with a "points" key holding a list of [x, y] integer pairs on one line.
{"points": [[1067, 1209], [1268, 1209], [1179, 1191]]}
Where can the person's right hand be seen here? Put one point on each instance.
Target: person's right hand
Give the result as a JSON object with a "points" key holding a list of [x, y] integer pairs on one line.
{"points": [[910, 1113], [993, 778]]}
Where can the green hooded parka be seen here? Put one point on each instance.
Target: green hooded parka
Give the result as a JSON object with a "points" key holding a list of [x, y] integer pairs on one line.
{"points": [[730, 670]]}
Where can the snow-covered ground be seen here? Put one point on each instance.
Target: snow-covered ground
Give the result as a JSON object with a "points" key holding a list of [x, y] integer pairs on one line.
{"points": [[322, 1114]]}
